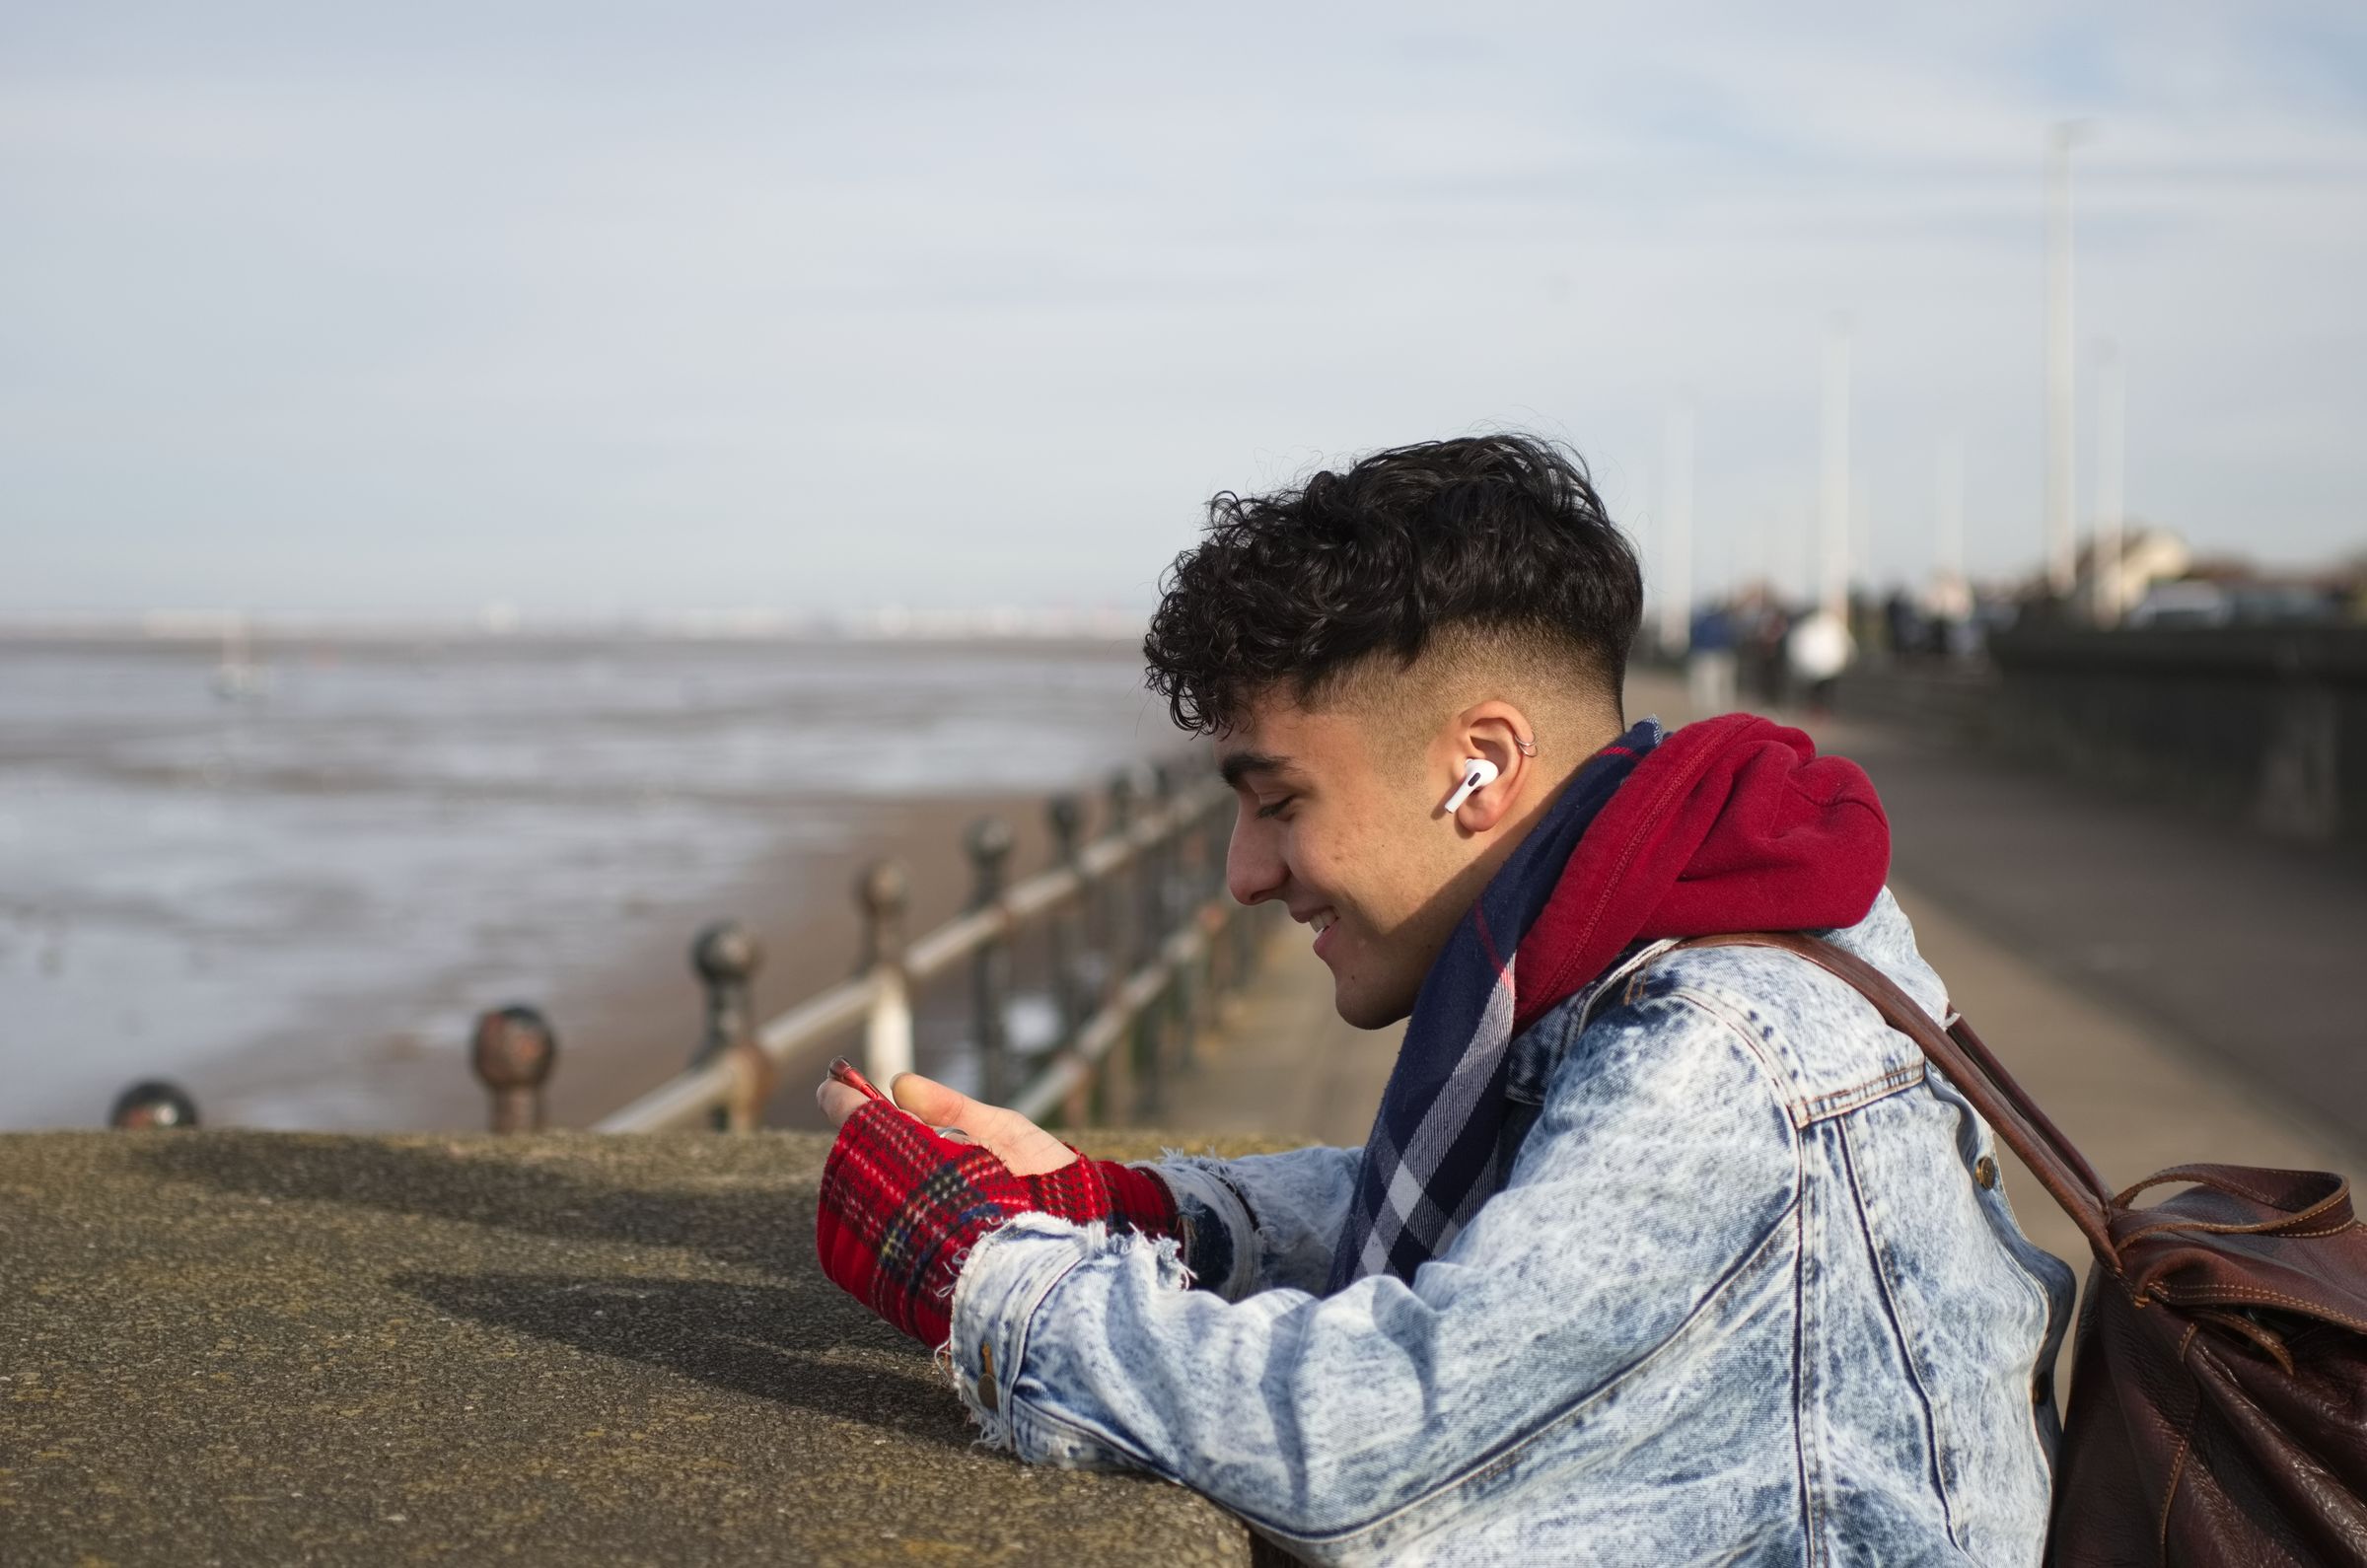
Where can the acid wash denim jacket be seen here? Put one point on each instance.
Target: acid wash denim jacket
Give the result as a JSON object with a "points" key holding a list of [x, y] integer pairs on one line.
{"points": [[1752, 1295]]}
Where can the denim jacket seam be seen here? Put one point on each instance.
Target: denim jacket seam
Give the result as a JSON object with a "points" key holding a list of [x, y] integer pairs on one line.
{"points": [[1516, 1447], [1841, 1102], [1038, 1415], [1780, 1082], [2015, 1244], [1011, 1327], [1807, 1449], [1915, 1372], [1805, 1111], [1573, 1016]]}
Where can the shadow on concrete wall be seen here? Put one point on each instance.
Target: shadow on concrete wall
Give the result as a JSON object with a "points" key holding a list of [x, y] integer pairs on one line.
{"points": [[791, 1336]]}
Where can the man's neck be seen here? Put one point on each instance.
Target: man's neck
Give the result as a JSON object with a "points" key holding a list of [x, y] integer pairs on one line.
{"points": [[1560, 761]]}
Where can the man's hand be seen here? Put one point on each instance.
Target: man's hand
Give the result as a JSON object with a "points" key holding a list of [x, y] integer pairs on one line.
{"points": [[900, 1205], [1010, 1137]]}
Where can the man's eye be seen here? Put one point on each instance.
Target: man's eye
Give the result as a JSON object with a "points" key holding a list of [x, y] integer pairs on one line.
{"points": [[1266, 812]]}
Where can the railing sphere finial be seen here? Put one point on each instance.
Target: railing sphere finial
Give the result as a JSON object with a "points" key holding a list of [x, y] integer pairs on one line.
{"points": [[153, 1102], [1066, 815], [514, 1051], [726, 952], [881, 888]]}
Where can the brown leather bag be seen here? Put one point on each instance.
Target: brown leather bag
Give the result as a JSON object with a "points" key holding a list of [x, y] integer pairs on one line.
{"points": [[2219, 1377]]}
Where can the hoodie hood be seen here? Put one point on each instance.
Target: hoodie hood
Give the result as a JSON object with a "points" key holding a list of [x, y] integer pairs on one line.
{"points": [[1733, 824]]}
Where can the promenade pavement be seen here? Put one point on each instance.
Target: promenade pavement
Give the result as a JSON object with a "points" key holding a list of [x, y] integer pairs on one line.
{"points": [[2168, 989], [250, 1348]]}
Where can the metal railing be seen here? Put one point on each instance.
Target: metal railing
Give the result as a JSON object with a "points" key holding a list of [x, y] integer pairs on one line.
{"points": [[1140, 940]]}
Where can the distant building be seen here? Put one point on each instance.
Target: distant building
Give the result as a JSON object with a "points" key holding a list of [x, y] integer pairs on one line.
{"points": [[2148, 555]]}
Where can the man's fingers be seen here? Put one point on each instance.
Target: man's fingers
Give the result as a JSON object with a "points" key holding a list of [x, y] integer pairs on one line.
{"points": [[935, 1104], [1019, 1143], [839, 1102]]}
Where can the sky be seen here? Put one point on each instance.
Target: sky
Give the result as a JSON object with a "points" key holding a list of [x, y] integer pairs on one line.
{"points": [[594, 309]]}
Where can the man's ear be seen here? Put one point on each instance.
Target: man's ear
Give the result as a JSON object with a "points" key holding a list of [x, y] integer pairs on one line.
{"points": [[1495, 732]]}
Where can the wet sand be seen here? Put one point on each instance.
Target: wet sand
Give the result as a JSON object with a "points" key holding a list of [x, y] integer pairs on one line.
{"points": [[626, 1036], [634, 1024], [296, 906]]}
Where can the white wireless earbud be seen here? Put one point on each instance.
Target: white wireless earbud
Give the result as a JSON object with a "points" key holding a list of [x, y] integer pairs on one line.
{"points": [[1478, 773]]}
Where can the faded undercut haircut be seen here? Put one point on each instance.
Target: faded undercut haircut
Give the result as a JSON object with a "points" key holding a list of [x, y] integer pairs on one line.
{"points": [[1486, 542]]}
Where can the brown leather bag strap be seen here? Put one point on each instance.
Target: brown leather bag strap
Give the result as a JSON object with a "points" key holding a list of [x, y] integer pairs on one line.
{"points": [[1976, 1073], [2309, 1202]]}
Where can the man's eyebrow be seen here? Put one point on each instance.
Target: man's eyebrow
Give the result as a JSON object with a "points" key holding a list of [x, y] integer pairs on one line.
{"points": [[1240, 765]]}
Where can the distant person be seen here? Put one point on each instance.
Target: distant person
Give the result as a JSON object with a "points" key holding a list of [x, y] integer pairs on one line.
{"points": [[1651, 1258], [1903, 625], [1816, 652], [1763, 629], [1709, 663]]}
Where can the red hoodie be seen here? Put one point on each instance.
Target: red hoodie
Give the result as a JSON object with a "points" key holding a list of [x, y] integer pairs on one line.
{"points": [[1729, 825]]}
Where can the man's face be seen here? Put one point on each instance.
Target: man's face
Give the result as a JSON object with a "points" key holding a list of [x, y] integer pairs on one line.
{"points": [[1353, 842]]}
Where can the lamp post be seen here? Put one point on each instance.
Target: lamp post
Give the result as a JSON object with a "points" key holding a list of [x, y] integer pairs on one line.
{"points": [[2062, 473], [2111, 420], [1832, 488], [1676, 560]]}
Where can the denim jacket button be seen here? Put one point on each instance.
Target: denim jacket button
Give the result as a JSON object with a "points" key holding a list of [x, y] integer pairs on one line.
{"points": [[1985, 1170]]}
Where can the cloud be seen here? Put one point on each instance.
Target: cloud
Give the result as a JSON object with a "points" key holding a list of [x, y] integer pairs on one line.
{"points": [[738, 305]]}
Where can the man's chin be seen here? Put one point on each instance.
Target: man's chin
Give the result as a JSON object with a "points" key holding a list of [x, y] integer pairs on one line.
{"points": [[1360, 1008]]}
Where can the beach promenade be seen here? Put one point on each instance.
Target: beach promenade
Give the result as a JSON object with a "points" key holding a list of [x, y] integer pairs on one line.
{"points": [[243, 1347]]}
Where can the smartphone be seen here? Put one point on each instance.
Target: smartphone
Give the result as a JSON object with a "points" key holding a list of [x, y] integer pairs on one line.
{"points": [[845, 1072]]}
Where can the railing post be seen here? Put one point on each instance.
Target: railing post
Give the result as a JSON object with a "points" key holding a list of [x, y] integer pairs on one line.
{"points": [[883, 890], [1151, 1024], [152, 1102], [1119, 937], [513, 1052], [1119, 942], [989, 844], [1065, 815], [1198, 999], [725, 955]]}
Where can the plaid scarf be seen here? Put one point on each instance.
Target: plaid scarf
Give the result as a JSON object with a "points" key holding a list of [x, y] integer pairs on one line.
{"points": [[1433, 1156]]}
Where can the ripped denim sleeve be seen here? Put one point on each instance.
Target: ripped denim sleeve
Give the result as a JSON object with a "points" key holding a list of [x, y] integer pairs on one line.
{"points": [[1265, 1222]]}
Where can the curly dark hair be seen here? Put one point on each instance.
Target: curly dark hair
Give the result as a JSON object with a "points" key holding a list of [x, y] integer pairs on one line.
{"points": [[1498, 535]]}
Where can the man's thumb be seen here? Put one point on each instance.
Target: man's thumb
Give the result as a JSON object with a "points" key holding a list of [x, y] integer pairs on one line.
{"points": [[932, 1102]]}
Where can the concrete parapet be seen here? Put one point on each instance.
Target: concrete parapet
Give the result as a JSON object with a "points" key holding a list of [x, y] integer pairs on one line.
{"points": [[2263, 726], [2257, 723], [245, 1347]]}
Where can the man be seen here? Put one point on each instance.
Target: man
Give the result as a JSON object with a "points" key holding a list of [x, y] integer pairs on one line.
{"points": [[1652, 1256]]}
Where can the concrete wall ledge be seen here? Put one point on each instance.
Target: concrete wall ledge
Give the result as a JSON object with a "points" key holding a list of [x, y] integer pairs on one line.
{"points": [[2263, 725], [2334, 654], [245, 1347]]}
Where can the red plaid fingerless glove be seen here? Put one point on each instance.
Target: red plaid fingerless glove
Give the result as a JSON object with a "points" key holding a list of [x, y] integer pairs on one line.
{"points": [[900, 1208]]}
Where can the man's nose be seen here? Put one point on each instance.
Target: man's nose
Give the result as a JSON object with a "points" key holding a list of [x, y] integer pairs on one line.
{"points": [[1252, 860]]}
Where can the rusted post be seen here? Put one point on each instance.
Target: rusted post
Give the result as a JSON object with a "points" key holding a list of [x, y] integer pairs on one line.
{"points": [[1120, 943], [725, 955], [153, 1102], [1204, 885], [1116, 919], [882, 891], [1151, 1026], [989, 844], [1066, 815], [513, 1053]]}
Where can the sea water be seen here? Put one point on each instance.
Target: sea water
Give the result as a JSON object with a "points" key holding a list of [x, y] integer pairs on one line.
{"points": [[333, 840]]}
